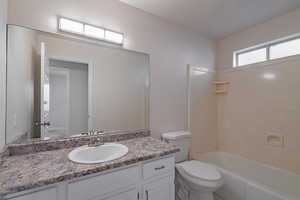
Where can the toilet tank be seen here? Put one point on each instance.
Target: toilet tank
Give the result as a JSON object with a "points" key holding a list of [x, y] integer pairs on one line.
{"points": [[183, 140]]}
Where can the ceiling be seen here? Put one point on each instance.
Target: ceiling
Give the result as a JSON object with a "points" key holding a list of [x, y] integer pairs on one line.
{"points": [[215, 18]]}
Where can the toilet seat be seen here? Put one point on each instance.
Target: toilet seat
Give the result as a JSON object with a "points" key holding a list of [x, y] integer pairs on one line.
{"points": [[201, 170], [201, 176]]}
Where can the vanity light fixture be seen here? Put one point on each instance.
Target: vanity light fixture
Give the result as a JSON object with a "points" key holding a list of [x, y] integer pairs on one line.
{"points": [[113, 36], [70, 26], [94, 32], [89, 31]]}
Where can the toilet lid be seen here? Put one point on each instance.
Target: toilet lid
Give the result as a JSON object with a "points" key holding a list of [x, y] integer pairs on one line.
{"points": [[201, 170]]}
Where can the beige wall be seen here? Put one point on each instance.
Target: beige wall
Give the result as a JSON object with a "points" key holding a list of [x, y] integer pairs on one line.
{"points": [[255, 105], [276, 28], [171, 47], [3, 12]]}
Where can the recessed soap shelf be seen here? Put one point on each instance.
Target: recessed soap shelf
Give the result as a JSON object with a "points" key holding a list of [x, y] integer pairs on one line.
{"points": [[274, 139], [221, 87]]}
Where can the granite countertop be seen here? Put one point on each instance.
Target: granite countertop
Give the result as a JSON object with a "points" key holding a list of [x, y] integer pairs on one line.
{"points": [[28, 171]]}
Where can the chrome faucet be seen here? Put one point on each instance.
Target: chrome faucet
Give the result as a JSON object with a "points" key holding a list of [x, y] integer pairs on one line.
{"points": [[96, 143], [93, 132]]}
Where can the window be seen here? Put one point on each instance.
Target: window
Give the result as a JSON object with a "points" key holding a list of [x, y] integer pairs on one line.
{"points": [[90, 31], [270, 51], [285, 49], [251, 57]]}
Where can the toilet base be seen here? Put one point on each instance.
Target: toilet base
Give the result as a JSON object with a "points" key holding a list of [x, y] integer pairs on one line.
{"points": [[201, 195]]}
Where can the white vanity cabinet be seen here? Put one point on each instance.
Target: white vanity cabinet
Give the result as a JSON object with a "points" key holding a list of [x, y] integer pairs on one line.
{"points": [[159, 179], [148, 180]]}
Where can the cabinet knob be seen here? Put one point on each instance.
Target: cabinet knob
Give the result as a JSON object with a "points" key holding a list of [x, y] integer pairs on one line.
{"points": [[42, 124], [160, 168]]}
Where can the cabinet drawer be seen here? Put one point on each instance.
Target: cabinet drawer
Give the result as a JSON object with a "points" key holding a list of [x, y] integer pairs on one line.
{"points": [[158, 167], [96, 186]]}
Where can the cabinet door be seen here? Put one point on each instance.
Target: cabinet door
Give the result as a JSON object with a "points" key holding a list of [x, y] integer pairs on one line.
{"points": [[49, 194], [129, 195], [103, 184], [161, 189]]}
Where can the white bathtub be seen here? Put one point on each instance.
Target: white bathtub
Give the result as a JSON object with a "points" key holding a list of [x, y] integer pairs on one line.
{"points": [[250, 180]]}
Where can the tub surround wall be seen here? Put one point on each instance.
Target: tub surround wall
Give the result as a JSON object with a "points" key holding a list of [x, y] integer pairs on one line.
{"points": [[262, 98]]}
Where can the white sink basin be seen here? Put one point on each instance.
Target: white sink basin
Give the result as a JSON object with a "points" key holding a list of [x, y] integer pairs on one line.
{"points": [[99, 154]]}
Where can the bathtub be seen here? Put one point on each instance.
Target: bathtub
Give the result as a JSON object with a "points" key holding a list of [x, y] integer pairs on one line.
{"points": [[250, 180]]}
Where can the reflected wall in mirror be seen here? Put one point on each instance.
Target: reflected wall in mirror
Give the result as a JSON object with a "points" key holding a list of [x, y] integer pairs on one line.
{"points": [[61, 87]]}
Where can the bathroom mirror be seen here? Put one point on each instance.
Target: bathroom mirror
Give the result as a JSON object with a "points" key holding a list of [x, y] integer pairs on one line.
{"points": [[60, 86]]}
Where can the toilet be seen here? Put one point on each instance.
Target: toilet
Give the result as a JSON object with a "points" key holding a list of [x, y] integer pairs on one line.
{"points": [[201, 179]]}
